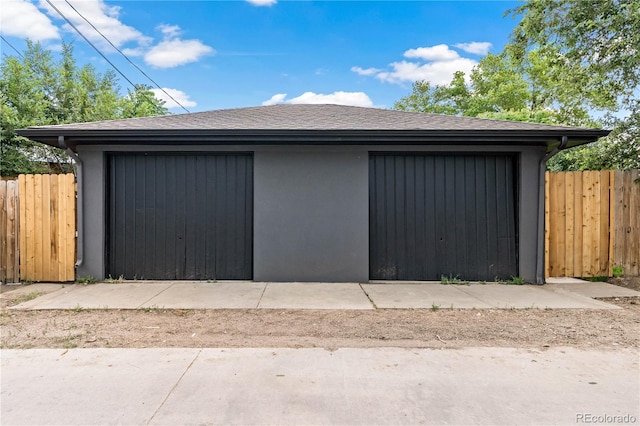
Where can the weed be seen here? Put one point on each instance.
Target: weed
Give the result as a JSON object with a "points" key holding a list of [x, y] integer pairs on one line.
{"points": [[511, 281], [618, 271], [26, 297], [78, 308], [153, 307], [112, 280], [86, 280], [27, 282], [212, 280], [452, 280], [68, 342], [434, 307]]}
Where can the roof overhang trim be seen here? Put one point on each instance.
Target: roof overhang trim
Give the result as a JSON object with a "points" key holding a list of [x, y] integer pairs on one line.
{"points": [[73, 138]]}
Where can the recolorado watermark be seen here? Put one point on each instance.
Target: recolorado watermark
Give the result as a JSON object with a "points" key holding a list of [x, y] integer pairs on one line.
{"points": [[589, 418]]}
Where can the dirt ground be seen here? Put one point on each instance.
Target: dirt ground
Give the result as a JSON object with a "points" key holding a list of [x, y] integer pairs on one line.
{"points": [[331, 329]]}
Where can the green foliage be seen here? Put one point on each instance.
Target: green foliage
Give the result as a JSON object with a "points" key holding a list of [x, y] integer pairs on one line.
{"points": [[86, 280], [40, 89], [596, 45], [515, 281], [566, 59], [500, 88], [452, 280], [618, 271]]}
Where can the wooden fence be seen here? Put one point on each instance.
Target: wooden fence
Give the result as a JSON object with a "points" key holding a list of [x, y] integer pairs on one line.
{"points": [[9, 236], [592, 223], [42, 240]]}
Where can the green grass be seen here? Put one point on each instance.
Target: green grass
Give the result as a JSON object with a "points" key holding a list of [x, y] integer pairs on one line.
{"points": [[112, 280], [86, 280], [452, 280], [618, 271], [511, 281], [26, 297]]}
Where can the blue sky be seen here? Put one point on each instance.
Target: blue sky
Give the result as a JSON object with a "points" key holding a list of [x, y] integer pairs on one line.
{"points": [[227, 54]]}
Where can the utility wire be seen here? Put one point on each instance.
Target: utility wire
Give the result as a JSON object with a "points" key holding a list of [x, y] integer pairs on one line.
{"points": [[125, 56], [11, 45], [92, 45]]}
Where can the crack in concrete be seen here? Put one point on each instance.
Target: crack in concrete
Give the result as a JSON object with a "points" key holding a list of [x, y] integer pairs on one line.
{"points": [[164, 400]]}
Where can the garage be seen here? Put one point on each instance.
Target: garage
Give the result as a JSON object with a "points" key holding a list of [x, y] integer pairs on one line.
{"points": [[311, 193], [180, 216], [445, 215]]}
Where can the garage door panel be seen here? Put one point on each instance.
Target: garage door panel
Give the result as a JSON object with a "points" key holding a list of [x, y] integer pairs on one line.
{"points": [[180, 216], [442, 215]]}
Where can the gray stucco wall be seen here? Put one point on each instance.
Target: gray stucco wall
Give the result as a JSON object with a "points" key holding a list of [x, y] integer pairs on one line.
{"points": [[93, 198], [310, 208], [311, 215]]}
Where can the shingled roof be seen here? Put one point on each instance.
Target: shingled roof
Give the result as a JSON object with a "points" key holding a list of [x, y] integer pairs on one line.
{"points": [[300, 120]]}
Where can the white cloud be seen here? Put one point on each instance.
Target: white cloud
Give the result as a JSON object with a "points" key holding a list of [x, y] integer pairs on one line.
{"points": [[337, 98], [138, 51], [434, 72], [20, 18], [440, 52], [170, 31], [172, 52], [475, 47], [178, 95], [105, 18], [367, 71], [262, 2], [435, 64], [275, 99]]}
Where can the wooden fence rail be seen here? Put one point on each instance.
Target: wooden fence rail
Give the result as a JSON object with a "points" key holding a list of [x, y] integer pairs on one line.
{"points": [[42, 240], [626, 241], [9, 231], [592, 223]]}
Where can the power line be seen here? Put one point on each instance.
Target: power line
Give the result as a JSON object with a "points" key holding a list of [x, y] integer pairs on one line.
{"points": [[11, 45], [92, 45], [125, 56]]}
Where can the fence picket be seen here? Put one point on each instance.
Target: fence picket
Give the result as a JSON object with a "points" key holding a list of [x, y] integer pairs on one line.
{"points": [[594, 225]]}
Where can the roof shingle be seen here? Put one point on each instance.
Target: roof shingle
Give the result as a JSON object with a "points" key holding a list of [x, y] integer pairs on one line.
{"points": [[306, 117]]}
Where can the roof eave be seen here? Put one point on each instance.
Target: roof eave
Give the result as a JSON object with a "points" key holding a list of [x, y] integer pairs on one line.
{"points": [[74, 137]]}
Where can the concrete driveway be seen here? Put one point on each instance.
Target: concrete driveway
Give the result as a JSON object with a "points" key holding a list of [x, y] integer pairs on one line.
{"points": [[384, 386], [565, 294]]}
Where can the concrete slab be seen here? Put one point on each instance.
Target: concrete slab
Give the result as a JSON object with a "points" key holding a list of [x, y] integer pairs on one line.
{"points": [[383, 386], [202, 295], [592, 289], [421, 296], [98, 296], [14, 292], [88, 386], [314, 296], [560, 280], [61, 294], [530, 296]]}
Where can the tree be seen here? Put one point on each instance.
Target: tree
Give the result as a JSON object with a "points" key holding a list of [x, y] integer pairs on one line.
{"points": [[566, 60], [598, 50], [499, 88], [37, 89]]}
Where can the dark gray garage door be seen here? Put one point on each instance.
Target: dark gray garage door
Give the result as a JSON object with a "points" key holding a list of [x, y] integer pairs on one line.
{"points": [[442, 215], [180, 216]]}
